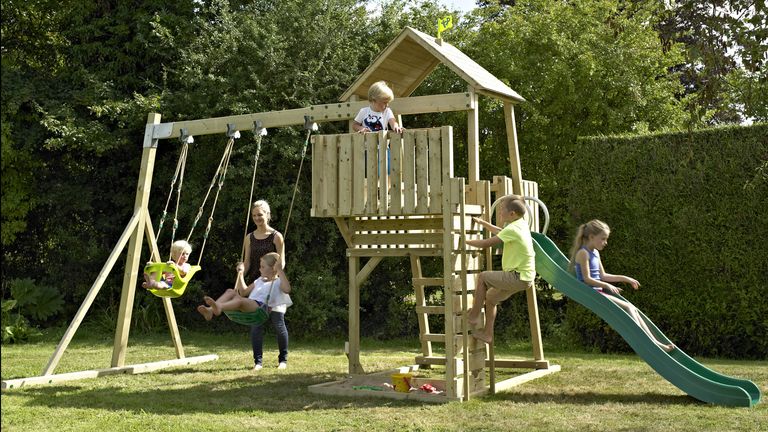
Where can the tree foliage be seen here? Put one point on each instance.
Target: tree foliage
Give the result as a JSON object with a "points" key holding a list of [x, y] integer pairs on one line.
{"points": [[78, 79]]}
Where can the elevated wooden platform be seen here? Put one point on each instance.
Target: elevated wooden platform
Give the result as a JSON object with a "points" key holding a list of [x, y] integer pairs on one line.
{"points": [[394, 195]]}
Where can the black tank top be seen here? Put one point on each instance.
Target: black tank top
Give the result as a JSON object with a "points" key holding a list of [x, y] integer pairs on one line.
{"points": [[259, 248]]}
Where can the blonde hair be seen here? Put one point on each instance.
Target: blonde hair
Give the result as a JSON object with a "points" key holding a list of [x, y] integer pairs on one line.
{"points": [[264, 206], [514, 203], [178, 247], [585, 231], [271, 258], [380, 91]]}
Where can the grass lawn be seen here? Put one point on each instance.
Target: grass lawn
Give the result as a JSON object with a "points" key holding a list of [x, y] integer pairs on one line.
{"points": [[593, 392]]}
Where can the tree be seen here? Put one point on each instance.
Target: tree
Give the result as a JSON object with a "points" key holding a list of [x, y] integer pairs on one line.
{"points": [[724, 72]]}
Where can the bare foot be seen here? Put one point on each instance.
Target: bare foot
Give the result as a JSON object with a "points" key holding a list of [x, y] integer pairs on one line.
{"points": [[212, 303], [205, 312], [482, 337], [668, 348], [145, 285], [473, 321]]}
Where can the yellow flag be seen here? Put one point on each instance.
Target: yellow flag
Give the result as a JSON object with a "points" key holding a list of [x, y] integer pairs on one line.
{"points": [[444, 24]]}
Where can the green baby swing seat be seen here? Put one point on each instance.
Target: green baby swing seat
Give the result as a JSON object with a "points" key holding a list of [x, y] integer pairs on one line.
{"points": [[179, 282]]}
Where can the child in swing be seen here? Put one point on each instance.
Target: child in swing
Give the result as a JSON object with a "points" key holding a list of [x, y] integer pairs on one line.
{"points": [[272, 283], [180, 251], [377, 116], [590, 239], [271, 288]]}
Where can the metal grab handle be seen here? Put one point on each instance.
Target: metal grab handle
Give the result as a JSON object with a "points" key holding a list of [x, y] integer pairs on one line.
{"points": [[529, 198]]}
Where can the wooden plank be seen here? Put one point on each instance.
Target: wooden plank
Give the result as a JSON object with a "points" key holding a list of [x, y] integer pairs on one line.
{"points": [[358, 170], [397, 238], [371, 174], [524, 378], [331, 170], [382, 146], [319, 200], [430, 310], [435, 170], [409, 173], [521, 364], [514, 153], [428, 281], [96, 373], [422, 171], [316, 176], [345, 175], [396, 174], [473, 142], [407, 224], [395, 252]]}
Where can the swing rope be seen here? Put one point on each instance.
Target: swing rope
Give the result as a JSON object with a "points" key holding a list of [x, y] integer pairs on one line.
{"points": [[310, 127], [258, 133], [218, 179], [177, 175]]}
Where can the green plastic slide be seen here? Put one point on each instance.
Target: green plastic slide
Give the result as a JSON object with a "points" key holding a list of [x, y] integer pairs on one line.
{"points": [[676, 367]]}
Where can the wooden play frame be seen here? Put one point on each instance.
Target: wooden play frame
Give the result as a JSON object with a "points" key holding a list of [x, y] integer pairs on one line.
{"points": [[385, 227]]}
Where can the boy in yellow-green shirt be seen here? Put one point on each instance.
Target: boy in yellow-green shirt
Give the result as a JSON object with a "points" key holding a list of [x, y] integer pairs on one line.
{"points": [[517, 263]]}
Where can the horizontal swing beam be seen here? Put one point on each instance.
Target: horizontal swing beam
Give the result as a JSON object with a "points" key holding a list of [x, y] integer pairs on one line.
{"points": [[341, 111]]}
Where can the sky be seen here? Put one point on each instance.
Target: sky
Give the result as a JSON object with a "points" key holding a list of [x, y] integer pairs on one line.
{"points": [[462, 5]]}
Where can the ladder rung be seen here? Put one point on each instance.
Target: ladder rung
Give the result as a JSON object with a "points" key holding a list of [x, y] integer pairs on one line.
{"points": [[428, 281], [433, 337], [434, 310]]}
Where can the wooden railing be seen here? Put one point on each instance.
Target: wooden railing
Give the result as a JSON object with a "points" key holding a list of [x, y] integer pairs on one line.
{"points": [[381, 174]]}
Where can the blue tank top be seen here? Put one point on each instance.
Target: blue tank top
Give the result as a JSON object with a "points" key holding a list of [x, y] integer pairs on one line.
{"points": [[594, 265]]}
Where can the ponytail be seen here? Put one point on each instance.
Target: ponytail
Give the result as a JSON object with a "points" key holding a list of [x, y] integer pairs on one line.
{"points": [[586, 230]]}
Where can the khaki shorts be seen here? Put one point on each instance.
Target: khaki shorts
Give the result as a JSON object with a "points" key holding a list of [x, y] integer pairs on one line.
{"points": [[507, 283]]}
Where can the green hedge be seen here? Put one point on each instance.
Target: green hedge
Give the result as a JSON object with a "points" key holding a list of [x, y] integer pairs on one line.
{"points": [[689, 219]]}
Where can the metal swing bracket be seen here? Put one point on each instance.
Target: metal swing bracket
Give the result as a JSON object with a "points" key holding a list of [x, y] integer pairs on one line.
{"points": [[185, 137], [232, 132], [309, 125], [259, 129]]}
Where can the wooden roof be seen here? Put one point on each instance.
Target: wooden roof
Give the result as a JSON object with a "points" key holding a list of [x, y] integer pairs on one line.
{"points": [[412, 56]]}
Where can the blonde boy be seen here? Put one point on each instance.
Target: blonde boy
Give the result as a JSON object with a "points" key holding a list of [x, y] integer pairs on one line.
{"points": [[517, 263], [377, 116]]}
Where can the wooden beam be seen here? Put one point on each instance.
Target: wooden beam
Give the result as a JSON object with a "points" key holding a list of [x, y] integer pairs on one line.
{"points": [[514, 152], [341, 111], [133, 258], [95, 373], [130, 228]]}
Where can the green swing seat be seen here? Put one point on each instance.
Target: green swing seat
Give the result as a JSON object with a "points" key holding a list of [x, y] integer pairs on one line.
{"points": [[179, 282], [257, 317]]}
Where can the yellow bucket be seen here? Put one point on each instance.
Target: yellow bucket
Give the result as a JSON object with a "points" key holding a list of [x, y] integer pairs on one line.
{"points": [[402, 382]]}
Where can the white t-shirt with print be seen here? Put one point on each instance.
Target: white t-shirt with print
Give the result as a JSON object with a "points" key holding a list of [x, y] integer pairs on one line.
{"points": [[374, 121]]}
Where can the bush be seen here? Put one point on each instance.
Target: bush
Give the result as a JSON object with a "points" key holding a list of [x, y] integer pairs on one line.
{"points": [[689, 220]]}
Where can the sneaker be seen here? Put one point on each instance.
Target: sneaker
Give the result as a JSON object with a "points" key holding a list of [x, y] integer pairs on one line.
{"points": [[257, 367], [282, 365]]}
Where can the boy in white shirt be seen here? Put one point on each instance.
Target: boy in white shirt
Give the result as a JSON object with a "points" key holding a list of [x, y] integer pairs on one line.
{"points": [[377, 116]]}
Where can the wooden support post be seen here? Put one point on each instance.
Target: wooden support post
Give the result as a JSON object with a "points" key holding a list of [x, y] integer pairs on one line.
{"points": [[132, 261], [514, 153], [355, 368], [95, 288], [533, 318], [473, 139]]}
